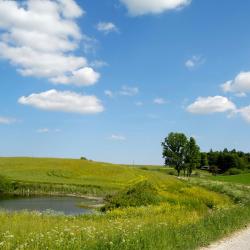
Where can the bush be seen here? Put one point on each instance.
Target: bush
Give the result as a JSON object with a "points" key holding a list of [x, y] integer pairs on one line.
{"points": [[144, 168], [5, 185], [214, 170], [234, 171], [197, 174], [172, 172], [141, 194]]}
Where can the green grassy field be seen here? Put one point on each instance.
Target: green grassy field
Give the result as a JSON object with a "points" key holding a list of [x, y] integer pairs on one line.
{"points": [[181, 214], [240, 179], [68, 171]]}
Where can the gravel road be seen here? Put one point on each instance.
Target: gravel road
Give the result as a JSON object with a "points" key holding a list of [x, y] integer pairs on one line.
{"points": [[238, 241]]}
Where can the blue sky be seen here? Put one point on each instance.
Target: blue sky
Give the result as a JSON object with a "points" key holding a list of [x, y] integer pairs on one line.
{"points": [[110, 79]]}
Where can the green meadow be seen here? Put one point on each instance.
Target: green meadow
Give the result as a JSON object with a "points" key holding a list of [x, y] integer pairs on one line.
{"points": [[240, 179], [69, 172], [145, 208]]}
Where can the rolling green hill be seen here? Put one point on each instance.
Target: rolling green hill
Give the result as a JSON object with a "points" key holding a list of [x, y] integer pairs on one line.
{"points": [[87, 177], [68, 171]]}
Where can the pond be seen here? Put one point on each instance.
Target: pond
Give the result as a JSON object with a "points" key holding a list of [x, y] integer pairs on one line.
{"points": [[65, 205]]}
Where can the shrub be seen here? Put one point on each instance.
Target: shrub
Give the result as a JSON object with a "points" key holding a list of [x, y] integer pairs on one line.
{"points": [[234, 171], [214, 169], [141, 194], [5, 185], [144, 168], [172, 172], [197, 174]]}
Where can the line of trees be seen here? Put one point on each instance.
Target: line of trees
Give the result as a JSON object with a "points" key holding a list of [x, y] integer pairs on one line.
{"points": [[230, 161], [181, 152], [184, 154]]}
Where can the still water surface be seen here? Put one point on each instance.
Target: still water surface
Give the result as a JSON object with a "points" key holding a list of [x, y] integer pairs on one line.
{"points": [[66, 205]]}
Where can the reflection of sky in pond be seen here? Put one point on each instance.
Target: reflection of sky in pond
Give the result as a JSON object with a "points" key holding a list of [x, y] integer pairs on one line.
{"points": [[66, 205]]}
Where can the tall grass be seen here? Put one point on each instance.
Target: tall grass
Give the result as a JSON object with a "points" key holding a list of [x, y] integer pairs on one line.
{"points": [[238, 193], [31, 189], [5, 185], [152, 227]]}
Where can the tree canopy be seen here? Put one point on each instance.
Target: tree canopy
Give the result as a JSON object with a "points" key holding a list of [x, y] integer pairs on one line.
{"points": [[181, 153], [193, 156]]}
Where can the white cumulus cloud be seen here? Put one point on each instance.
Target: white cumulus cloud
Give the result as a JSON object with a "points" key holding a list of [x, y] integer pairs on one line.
{"points": [[139, 103], [159, 101], [82, 77], [211, 104], [109, 93], [64, 101], [106, 27], [43, 130], [124, 91], [47, 130], [129, 91], [194, 62], [240, 85], [118, 137], [39, 38], [98, 64], [7, 120], [141, 7], [245, 113]]}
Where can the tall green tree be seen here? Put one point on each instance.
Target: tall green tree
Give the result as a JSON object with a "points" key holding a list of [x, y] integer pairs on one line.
{"points": [[193, 156], [174, 151], [204, 160]]}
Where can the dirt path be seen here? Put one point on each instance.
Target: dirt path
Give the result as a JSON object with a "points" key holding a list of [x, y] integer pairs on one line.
{"points": [[238, 241]]}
